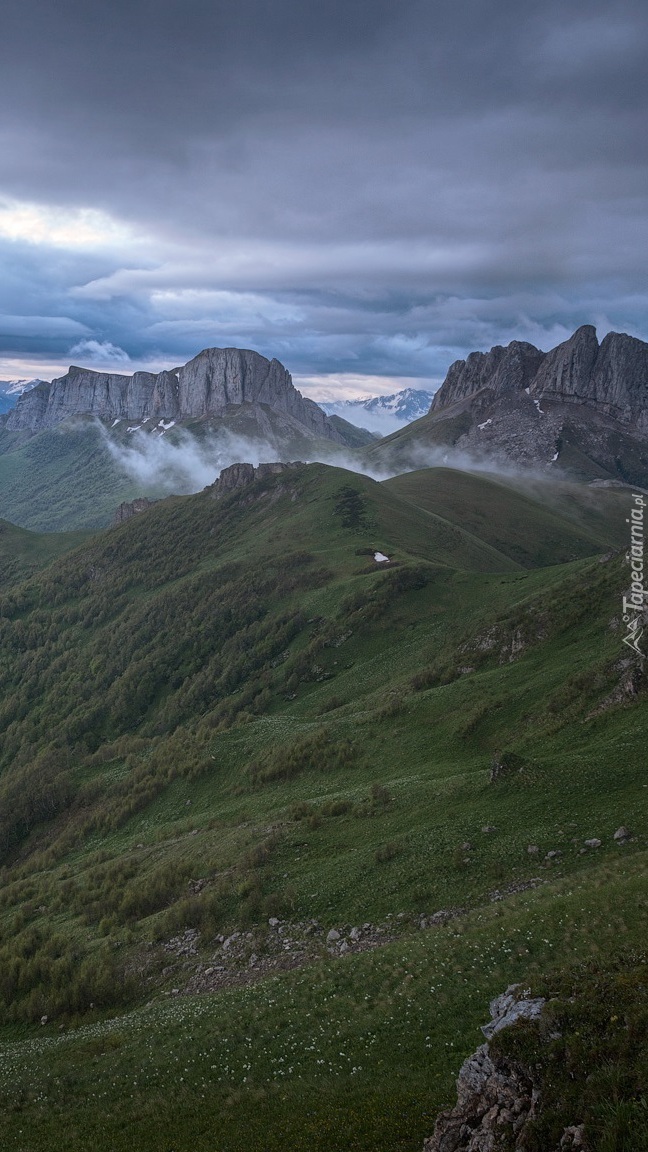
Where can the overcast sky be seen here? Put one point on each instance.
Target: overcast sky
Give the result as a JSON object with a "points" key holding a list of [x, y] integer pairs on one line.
{"points": [[365, 189]]}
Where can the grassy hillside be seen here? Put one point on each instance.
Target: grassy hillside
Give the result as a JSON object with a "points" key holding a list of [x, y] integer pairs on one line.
{"points": [[61, 480], [354, 436], [532, 521], [22, 553], [226, 730], [67, 479], [405, 447]]}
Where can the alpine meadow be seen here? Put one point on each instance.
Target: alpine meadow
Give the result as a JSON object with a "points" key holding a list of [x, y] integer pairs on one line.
{"points": [[278, 818]]}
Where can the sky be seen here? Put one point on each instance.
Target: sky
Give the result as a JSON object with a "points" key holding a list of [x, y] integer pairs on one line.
{"points": [[366, 189]]}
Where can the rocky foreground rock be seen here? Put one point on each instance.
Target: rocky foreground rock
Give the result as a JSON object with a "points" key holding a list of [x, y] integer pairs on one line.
{"points": [[208, 386], [497, 1098]]}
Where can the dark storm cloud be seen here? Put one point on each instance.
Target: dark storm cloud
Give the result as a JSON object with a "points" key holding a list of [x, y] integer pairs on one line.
{"points": [[350, 186]]}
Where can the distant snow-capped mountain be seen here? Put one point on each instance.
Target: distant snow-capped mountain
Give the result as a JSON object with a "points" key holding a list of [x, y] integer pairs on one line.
{"points": [[10, 390], [17, 387], [383, 413]]}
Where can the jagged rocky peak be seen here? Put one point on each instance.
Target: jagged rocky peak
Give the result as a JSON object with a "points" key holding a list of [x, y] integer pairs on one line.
{"points": [[611, 377], [501, 370], [567, 369], [217, 377], [205, 387]]}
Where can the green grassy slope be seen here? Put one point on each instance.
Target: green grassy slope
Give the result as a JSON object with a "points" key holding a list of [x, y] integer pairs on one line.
{"points": [[534, 522], [66, 479], [404, 447], [61, 480], [22, 553], [355, 437], [350, 1055], [225, 711]]}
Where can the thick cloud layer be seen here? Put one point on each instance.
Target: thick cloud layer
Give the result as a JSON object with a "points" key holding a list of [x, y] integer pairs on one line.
{"points": [[357, 188]]}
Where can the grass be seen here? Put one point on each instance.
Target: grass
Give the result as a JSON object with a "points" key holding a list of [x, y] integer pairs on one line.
{"points": [[342, 774], [355, 1053], [534, 523], [24, 553], [61, 480]]}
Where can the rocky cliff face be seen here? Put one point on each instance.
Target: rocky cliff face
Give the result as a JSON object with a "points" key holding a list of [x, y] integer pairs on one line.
{"points": [[611, 377], [500, 370], [207, 386], [580, 409]]}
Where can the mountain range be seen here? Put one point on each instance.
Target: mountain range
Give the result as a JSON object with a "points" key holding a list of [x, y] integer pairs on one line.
{"points": [[383, 414], [576, 411]]}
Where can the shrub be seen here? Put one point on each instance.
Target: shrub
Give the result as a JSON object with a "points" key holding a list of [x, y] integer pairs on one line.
{"points": [[506, 764], [317, 751], [380, 796], [387, 852], [337, 807]]}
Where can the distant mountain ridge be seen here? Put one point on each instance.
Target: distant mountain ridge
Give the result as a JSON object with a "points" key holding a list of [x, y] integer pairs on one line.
{"points": [[581, 408], [377, 412], [10, 390], [17, 387], [207, 386]]}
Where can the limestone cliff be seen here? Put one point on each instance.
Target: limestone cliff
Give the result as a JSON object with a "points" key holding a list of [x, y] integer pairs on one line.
{"points": [[611, 377], [580, 409], [215, 380]]}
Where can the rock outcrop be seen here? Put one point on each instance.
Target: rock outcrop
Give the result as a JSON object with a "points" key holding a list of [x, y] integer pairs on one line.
{"points": [[540, 1086], [241, 475], [500, 370], [208, 386], [495, 1097], [494, 1101], [611, 377], [129, 508]]}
